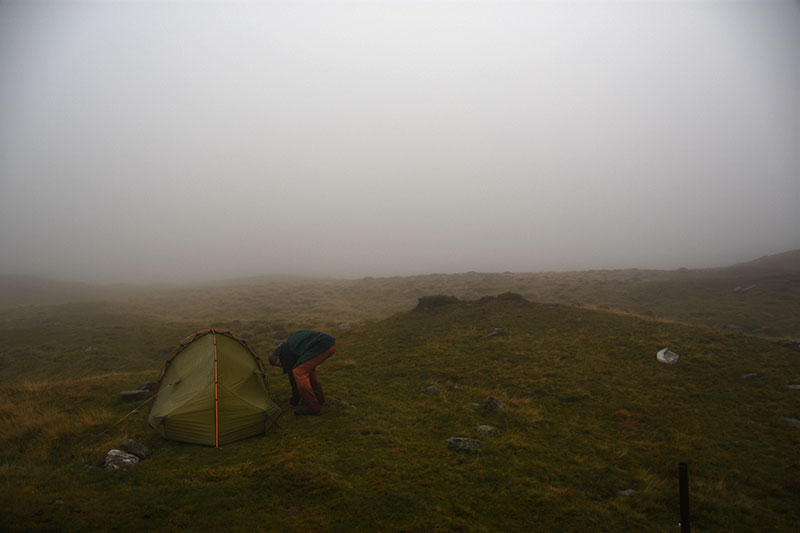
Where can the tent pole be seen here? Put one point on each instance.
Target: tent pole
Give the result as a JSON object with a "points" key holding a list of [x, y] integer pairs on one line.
{"points": [[216, 394]]}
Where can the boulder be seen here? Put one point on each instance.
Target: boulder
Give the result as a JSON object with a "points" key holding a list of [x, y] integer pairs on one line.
{"points": [[492, 404], [462, 444], [135, 448], [667, 356], [134, 395], [119, 460]]}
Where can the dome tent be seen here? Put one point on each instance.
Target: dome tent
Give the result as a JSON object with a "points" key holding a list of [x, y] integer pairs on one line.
{"points": [[212, 390]]}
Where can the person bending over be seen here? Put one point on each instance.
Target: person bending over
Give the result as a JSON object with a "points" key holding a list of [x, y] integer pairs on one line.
{"points": [[299, 356]]}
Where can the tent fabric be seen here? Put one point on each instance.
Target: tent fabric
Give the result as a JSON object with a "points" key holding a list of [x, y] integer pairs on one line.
{"points": [[213, 391]]}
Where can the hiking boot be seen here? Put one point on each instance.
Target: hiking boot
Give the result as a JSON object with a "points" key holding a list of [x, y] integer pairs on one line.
{"points": [[305, 411], [320, 397]]}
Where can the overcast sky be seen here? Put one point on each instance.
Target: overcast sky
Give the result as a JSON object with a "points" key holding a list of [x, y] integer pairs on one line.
{"points": [[144, 141]]}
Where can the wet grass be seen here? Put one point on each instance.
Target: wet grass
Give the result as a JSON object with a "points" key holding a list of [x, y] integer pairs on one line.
{"points": [[590, 413]]}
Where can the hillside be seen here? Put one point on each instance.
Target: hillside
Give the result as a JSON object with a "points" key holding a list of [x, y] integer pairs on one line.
{"points": [[590, 439], [761, 297]]}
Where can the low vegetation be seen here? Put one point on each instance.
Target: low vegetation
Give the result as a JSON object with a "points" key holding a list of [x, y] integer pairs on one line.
{"points": [[591, 436]]}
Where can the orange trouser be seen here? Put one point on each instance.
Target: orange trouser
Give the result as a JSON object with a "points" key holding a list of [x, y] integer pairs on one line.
{"points": [[305, 376]]}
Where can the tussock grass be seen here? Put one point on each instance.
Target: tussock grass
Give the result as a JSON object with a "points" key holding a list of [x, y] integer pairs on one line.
{"points": [[589, 413]]}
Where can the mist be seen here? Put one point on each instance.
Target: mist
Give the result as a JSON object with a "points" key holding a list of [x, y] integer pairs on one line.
{"points": [[187, 141]]}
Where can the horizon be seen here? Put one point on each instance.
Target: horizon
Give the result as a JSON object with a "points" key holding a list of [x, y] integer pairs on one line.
{"points": [[214, 141], [298, 277]]}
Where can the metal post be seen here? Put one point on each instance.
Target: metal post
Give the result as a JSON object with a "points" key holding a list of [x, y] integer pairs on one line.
{"points": [[683, 484]]}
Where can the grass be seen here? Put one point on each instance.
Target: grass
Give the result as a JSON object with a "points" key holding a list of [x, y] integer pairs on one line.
{"points": [[590, 413]]}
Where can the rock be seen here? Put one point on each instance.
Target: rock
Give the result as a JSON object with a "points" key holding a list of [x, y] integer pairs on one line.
{"points": [[134, 448], [498, 332], [492, 405], [793, 422], [667, 356], [795, 386], [150, 385], [486, 430], [751, 375], [344, 325], [579, 320], [462, 444], [628, 492], [740, 288], [119, 460], [431, 388], [134, 395], [454, 386]]}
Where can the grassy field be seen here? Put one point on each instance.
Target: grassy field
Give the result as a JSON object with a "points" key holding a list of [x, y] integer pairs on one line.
{"points": [[590, 412]]}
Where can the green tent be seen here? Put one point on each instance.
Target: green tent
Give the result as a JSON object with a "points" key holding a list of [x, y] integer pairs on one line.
{"points": [[213, 390]]}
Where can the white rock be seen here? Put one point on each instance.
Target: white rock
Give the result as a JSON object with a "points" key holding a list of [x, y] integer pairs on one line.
{"points": [[119, 460], [667, 356]]}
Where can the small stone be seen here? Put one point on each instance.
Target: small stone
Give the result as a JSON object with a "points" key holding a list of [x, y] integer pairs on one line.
{"points": [[628, 492], [431, 388], [58, 502], [498, 332], [134, 395], [344, 325], [119, 460], [579, 320], [793, 422], [751, 375], [492, 405], [667, 356], [462, 444], [454, 386], [795, 386], [139, 450], [486, 430]]}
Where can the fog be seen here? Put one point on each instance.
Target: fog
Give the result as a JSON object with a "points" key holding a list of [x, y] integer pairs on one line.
{"points": [[170, 141]]}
